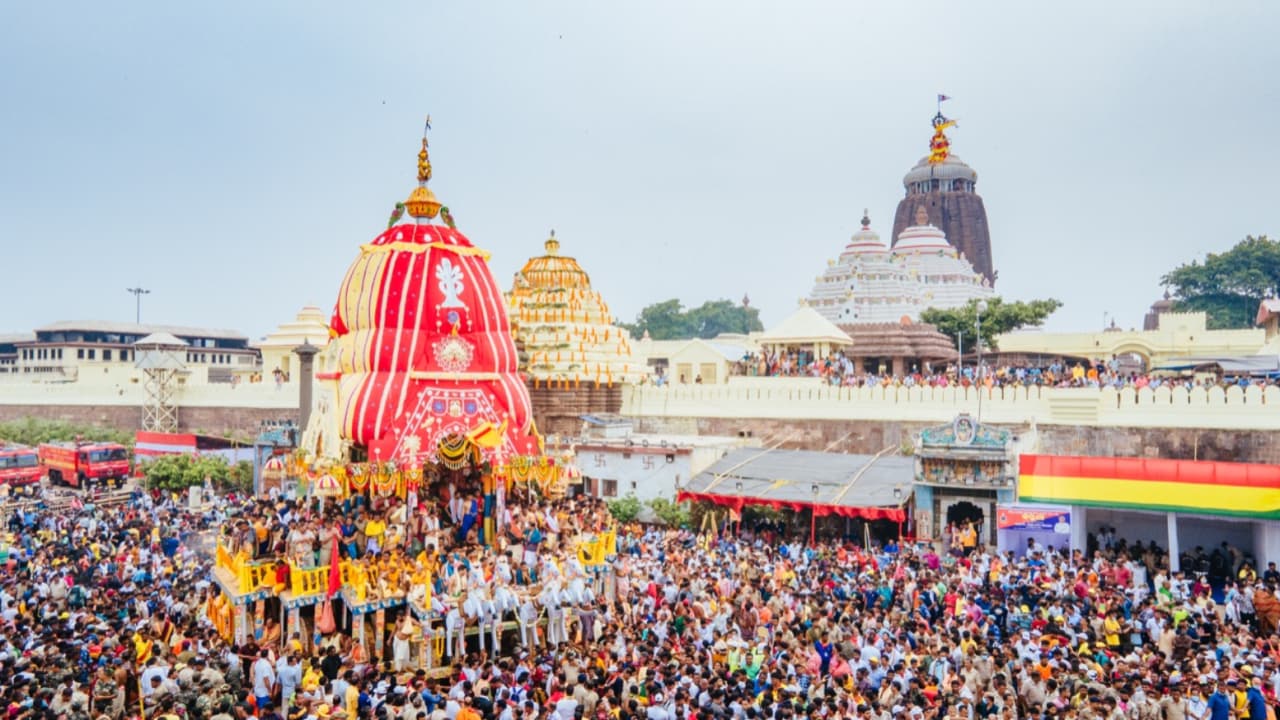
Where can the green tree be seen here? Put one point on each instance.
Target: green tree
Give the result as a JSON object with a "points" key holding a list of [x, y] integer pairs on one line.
{"points": [[240, 477], [1000, 317], [672, 514], [33, 431], [179, 472], [668, 320], [1229, 286], [715, 317], [625, 509]]}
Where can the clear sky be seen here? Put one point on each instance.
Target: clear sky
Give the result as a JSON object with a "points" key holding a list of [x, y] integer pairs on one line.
{"points": [[232, 156]]}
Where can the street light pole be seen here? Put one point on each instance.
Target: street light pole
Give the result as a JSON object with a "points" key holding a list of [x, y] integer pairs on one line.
{"points": [[137, 295], [981, 308], [813, 516]]}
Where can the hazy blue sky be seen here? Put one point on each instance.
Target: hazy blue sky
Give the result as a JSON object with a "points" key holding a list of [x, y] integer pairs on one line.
{"points": [[232, 156]]}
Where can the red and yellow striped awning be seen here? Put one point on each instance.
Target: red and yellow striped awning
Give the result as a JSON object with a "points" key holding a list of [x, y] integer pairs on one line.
{"points": [[1207, 488]]}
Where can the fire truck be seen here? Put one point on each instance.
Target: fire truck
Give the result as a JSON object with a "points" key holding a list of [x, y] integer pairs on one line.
{"points": [[81, 464], [19, 466]]}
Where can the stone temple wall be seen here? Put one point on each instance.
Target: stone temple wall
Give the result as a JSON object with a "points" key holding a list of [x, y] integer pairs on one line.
{"points": [[869, 436], [961, 215], [224, 421], [558, 410]]}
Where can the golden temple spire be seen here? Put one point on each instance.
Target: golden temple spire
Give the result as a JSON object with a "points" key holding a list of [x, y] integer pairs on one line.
{"points": [[424, 160], [939, 145], [552, 245], [422, 203]]}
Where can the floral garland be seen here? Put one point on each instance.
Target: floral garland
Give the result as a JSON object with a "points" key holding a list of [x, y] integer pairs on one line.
{"points": [[340, 474], [358, 478], [530, 469], [455, 451], [386, 480]]}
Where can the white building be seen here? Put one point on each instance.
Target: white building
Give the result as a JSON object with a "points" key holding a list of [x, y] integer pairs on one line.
{"points": [[871, 283], [615, 462]]}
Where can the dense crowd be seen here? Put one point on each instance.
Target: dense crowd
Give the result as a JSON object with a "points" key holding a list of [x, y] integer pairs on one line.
{"points": [[840, 370], [102, 612]]}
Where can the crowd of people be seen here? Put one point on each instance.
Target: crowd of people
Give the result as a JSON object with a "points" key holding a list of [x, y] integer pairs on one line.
{"points": [[841, 371], [102, 609]]}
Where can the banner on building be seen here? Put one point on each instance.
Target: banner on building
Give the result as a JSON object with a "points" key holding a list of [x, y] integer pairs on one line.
{"points": [[1055, 520]]}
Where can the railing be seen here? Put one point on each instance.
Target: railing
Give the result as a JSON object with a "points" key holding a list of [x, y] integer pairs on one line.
{"points": [[306, 582], [1251, 408], [595, 552], [356, 578], [250, 576]]}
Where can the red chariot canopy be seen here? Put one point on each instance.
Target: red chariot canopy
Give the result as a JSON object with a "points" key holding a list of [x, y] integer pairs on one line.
{"points": [[425, 349]]}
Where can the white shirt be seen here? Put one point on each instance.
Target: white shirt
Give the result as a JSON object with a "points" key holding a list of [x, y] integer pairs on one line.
{"points": [[263, 676]]}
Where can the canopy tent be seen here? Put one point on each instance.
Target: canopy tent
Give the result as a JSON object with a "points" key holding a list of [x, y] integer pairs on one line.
{"points": [[861, 486], [1189, 486], [1248, 365], [806, 327]]}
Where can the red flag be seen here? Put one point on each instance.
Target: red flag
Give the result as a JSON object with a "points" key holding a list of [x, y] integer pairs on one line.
{"points": [[335, 571], [942, 97]]}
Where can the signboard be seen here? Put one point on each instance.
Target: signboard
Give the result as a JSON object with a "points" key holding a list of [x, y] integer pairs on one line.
{"points": [[1055, 520]]}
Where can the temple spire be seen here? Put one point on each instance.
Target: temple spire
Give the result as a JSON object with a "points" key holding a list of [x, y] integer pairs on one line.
{"points": [[422, 203], [939, 145]]}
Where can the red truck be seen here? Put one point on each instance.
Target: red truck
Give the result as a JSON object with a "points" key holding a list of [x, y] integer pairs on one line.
{"points": [[81, 464], [19, 466]]}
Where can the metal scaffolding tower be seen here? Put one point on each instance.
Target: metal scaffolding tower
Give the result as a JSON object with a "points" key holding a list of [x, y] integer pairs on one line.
{"points": [[157, 357]]}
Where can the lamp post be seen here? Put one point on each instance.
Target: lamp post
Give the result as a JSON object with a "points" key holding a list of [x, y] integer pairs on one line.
{"points": [[981, 308], [137, 296], [813, 515]]}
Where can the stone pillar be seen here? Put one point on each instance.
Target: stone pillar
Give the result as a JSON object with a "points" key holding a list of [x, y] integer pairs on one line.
{"points": [[1079, 528], [259, 618], [379, 631], [357, 631], [1266, 542], [306, 353], [293, 624], [241, 617], [1171, 519], [427, 653], [899, 366]]}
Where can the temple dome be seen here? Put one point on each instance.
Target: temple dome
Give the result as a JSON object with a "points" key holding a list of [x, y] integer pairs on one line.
{"points": [[421, 350], [563, 327], [947, 279], [865, 240], [554, 270], [422, 331], [870, 283], [921, 237], [866, 283], [952, 168]]}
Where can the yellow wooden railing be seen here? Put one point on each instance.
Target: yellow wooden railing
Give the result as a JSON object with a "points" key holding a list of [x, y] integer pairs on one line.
{"points": [[592, 553], [356, 578], [250, 576], [313, 581], [305, 582]]}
